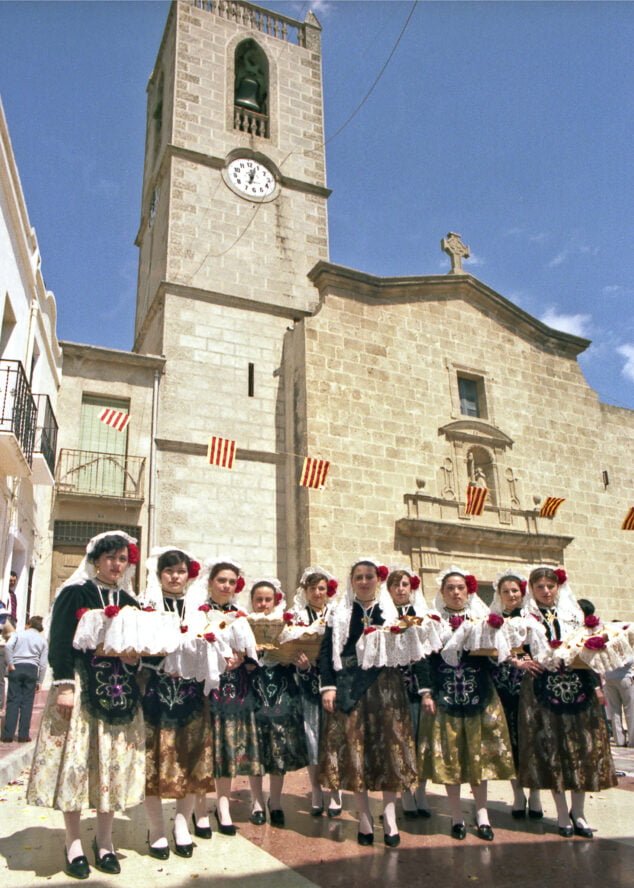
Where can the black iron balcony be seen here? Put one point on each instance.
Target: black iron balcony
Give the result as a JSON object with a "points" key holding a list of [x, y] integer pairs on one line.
{"points": [[45, 446], [88, 473], [18, 415]]}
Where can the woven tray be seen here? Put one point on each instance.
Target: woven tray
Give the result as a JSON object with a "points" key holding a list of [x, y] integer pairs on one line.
{"points": [[266, 632], [308, 644]]}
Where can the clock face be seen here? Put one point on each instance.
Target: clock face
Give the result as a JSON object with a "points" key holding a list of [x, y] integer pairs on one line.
{"points": [[251, 178]]}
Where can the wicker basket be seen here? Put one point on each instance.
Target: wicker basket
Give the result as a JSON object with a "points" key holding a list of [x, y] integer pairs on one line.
{"points": [[308, 644], [266, 632]]}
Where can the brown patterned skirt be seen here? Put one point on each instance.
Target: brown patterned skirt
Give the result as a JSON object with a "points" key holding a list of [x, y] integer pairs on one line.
{"points": [[560, 751], [179, 760], [371, 747]]}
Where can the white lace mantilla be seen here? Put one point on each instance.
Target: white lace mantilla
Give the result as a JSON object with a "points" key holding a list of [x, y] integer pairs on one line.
{"points": [[474, 635], [134, 631], [400, 644], [617, 650], [198, 658]]}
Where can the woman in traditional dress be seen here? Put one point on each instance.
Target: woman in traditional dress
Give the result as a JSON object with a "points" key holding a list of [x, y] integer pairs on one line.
{"points": [[90, 752], [563, 738], [235, 738], [509, 591], [312, 600], [404, 590], [279, 717], [179, 762], [463, 733], [367, 743]]}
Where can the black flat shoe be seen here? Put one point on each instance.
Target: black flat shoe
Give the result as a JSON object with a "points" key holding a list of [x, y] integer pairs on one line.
{"points": [[182, 850], [566, 832], [258, 818], [584, 831], [535, 815], [276, 815], [365, 838], [78, 867], [334, 812], [423, 812], [519, 813], [201, 832], [392, 841], [227, 829], [161, 853], [458, 831], [485, 832], [410, 815], [106, 863]]}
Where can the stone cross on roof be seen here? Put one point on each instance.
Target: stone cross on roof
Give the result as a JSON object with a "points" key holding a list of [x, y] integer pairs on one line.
{"points": [[456, 250]]}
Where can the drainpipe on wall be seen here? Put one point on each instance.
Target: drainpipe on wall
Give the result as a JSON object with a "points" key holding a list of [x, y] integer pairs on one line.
{"points": [[151, 507]]}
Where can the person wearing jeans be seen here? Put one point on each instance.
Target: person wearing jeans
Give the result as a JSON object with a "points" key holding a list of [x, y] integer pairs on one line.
{"points": [[26, 656]]}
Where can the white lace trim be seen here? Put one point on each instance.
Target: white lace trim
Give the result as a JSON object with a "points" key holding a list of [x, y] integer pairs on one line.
{"points": [[146, 633], [386, 647], [477, 634], [618, 651], [199, 659], [64, 681]]}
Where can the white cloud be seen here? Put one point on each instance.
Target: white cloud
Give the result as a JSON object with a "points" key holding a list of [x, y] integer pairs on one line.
{"points": [[576, 324], [617, 290], [538, 238], [627, 352], [474, 259], [558, 259]]}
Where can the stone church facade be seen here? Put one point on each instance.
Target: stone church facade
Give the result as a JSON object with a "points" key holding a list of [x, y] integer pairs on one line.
{"points": [[410, 387]]}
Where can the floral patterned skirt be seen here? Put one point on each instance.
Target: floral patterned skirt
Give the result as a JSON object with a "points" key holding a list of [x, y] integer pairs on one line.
{"points": [[561, 751], [236, 750], [312, 712], [86, 762], [371, 747], [468, 749], [179, 759]]}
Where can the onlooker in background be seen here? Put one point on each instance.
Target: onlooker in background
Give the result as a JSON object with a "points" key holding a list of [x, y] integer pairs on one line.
{"points": [[6, 628], [619, 699], [26, 657], [13, 598]]}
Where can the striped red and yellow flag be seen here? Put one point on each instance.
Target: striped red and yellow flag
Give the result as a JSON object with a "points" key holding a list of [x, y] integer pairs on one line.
{"points": [[476, 497], [116, 419], [221, 452], [550, 506], [314, 473], [628, 523]]}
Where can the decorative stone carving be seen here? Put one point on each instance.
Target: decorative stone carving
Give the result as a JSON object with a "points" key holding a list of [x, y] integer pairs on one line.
{"points": [[456, 250]]}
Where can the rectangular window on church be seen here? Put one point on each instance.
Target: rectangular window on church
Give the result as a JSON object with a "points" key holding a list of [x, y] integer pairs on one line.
{"points": [[471, 393]]}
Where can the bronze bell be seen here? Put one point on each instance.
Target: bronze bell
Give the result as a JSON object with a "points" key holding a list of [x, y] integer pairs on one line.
{"points": [[247, 94]]}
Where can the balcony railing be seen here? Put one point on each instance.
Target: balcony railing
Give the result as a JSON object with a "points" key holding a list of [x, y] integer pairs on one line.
{"points": [[250, 122], [88, 473], [46, 431], [247, 14], [18, 412]]}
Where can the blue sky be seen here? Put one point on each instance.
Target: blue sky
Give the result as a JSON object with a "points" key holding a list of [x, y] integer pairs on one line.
{"points": [[510, 123]]}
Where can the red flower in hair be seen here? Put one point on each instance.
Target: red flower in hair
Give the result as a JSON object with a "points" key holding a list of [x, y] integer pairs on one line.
{"points": [[80, 613], [148, 609], [594, 643], [555, 643], [495, 620], [591, 621], [382, 572], [396, 630], [414, 582], [561, 575], [133, 554], [434, 617], [112, 610], [278, 598], [287, 617], [239, 584], [523, 586], [369, 629], [193, 569], [205, 608], [472, 584], [184, 629], [456, 621], [209, 636], [332, 587]]}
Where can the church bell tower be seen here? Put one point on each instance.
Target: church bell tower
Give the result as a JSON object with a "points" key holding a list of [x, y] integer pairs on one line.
{"points": [[233, 217]]}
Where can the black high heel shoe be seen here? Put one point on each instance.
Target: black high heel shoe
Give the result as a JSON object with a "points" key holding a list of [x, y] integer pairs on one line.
{"points": [[161, 853], [182, 850], [276, 815], [392, 841], [366, 838], [78, 867], [201, 832], [107, 862], [317, 810], [484, 831], [227, 829], [584, 831]]}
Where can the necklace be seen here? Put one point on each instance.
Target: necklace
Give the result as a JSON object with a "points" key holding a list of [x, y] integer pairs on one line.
{"points": [[368, 611], [174, 605], [112, 594]]}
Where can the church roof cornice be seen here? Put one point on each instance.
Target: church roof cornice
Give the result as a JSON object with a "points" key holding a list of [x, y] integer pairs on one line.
{"points": [[112, 355], [350, 283]]}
